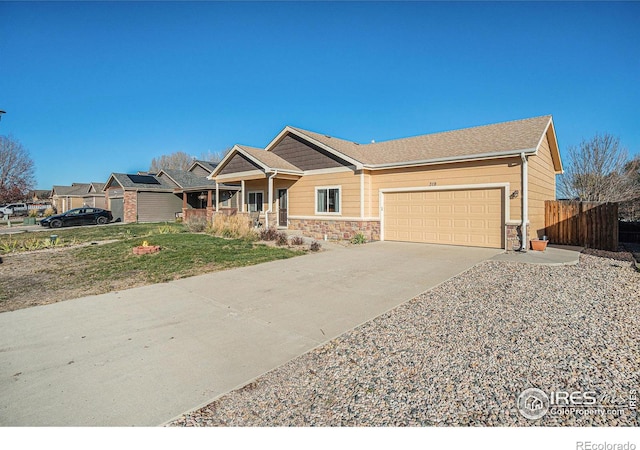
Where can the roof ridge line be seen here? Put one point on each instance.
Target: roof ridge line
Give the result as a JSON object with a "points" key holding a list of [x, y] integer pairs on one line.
{"points": [[423, 134], [460, 129]]}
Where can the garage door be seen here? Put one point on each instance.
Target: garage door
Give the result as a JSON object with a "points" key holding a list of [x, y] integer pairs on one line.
{"points": [[158, 206], [471, 217]]}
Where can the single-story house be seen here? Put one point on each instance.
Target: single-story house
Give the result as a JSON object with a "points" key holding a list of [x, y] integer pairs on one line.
{"points": [[141, 197], [38, 196], [162, 197], [95, 196], [198, 193], [483, 186], [64, 198]]}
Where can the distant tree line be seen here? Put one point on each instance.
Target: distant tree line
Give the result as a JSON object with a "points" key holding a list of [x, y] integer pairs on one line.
{"points": [[182, 161], [16, 170], [600, 170]]}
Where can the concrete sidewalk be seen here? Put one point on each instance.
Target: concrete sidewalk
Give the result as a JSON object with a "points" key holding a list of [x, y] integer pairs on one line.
{"points": [[146, 355], [554, 255]]}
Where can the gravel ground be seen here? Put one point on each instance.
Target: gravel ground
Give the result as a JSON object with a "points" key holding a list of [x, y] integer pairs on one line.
{"points": [[461, 353]]}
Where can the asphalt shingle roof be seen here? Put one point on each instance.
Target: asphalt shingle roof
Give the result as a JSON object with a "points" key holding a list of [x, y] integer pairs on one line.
{"points": [[78, 189], [188, 180], [270, 159], [501, 137], [126, 182]]}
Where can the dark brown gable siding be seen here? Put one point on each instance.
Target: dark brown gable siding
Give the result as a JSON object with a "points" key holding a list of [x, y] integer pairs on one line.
{"points": [[239, 163], [200, 171], [305, 155]]}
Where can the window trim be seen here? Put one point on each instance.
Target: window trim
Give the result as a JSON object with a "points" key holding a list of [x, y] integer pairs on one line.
{"points": [[327, 213], [249, 204]]}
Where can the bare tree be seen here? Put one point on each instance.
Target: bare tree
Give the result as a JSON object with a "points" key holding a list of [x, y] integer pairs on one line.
{"points": [[177, 160], [599, 170], [16, 170], [629, 210], [215, 156]]}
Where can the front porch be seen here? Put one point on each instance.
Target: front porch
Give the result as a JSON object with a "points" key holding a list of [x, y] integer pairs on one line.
{"points": [[202, 204], [263, 198]]}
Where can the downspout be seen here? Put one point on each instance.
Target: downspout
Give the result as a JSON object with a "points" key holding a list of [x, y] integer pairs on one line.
{"points": [[269, 210], [525, 203]]}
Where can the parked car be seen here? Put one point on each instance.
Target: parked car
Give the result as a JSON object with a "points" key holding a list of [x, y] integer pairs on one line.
{"points": [[78, 216], [14, 209]]}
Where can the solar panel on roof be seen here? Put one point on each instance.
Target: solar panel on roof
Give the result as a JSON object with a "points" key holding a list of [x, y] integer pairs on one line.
{"points": [[143, 179]]}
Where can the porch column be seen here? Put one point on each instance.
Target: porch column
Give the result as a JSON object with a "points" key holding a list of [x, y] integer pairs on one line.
{"points": [[269, 207], [184, 205], [242, 198], [217, 197], [209, 211]]}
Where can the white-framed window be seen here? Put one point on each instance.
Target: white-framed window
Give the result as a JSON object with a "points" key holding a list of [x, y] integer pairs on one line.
{"points": [[255, 200], [328, 200]]}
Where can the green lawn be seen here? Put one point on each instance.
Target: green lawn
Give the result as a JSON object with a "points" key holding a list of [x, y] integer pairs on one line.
{"points": [[78, 268], [181, 255], [36, 240]]}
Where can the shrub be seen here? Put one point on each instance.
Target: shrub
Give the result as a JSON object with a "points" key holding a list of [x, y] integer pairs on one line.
{"points": [[359, 239], [32, 244], [167, 229], [282, 239], [197, 225], [315, 246], [231, 227], [297, 240], [49, 212], [9, 246], [270, 234], [34, 212]]}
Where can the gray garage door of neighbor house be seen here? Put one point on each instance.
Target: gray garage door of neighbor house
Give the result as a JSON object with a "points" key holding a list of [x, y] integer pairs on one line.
{"points": [[158, 206], [472, 217]]}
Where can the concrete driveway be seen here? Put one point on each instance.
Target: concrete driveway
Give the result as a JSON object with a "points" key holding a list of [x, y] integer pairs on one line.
{"points": [[146, 355]]}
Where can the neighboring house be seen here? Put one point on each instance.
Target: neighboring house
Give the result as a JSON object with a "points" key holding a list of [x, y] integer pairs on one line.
{"points": [[141, 198], [64, 198], [475, 186], [95, 196], [38, 196], [199, 193]]}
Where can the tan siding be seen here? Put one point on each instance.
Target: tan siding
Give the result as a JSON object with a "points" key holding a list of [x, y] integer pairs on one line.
{"points": [[76, 202], [542, 186], [302, 193], [369, 194], [257, 185], [506, 170]]}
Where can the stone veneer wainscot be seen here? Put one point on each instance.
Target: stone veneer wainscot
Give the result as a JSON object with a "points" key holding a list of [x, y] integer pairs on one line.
{"points": [[337, 229]]}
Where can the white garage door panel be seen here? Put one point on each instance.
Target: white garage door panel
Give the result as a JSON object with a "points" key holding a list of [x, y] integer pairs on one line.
{"points": [[471, 217]]}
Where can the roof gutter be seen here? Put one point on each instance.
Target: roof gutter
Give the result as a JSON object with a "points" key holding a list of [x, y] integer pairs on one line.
{"points": [[449, 159]]}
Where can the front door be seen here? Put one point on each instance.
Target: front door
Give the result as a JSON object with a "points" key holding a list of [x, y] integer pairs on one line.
{"points": [[282, 207]]}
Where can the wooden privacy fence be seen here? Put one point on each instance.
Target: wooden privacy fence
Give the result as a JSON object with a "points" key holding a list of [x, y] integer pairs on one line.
{"points": [[587, 224]]}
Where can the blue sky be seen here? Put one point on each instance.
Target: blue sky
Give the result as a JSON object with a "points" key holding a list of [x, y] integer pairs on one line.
{"points": [[92, 88]]}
